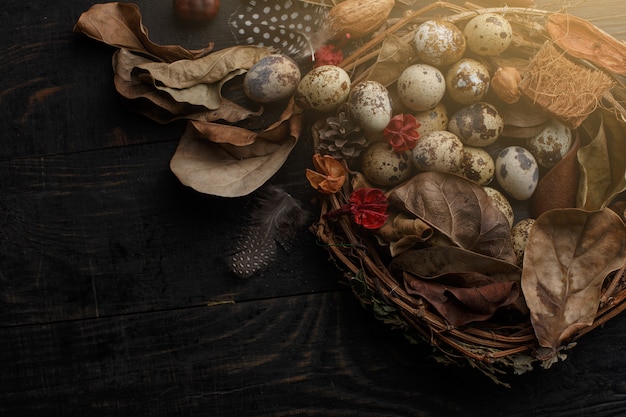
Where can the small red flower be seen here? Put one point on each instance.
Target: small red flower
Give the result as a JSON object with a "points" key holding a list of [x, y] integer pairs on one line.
{"points": [[367, 206], [328, 55], [401, 132]]}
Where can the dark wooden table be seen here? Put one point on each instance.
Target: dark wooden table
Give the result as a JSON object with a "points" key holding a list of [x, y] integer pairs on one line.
{"points": [[114, 297]]}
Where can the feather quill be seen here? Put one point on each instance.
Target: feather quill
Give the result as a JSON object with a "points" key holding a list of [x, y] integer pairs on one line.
{"points": [[295, 28], [272, 224]]}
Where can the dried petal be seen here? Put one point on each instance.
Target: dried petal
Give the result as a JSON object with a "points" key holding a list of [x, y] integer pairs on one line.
{"points": [[328, 55], [401, 132], [331, 174]]}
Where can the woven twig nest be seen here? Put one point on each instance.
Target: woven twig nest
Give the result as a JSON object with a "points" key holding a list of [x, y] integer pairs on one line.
{"points": [[410, 281]]}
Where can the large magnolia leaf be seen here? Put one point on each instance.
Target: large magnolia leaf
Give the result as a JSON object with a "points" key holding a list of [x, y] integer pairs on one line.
{"points": [[458, 208], [602, 161], [568, 256], [119, 25]]}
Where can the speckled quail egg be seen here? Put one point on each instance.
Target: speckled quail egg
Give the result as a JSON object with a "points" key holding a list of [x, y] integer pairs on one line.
{"points": [[439, 42], [479, 124], [467, 81], [439, 151], [421, 87], [488, 34], [501, 203], [384, 166], [324, 88], [370, 106], [517, 172], [477, 165], [551, 144], [519, 237], [273, 78], [432, 120]]}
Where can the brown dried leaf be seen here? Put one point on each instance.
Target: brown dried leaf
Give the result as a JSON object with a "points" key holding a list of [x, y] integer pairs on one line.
{"points": [[227, 170], [568, 256], [460, 305], [559, 186], [120, 25], [395, 55], [458, 208], [602, 161]]}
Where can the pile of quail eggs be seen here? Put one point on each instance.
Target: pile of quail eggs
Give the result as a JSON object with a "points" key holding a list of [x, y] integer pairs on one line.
{"points": [[446, 89]]}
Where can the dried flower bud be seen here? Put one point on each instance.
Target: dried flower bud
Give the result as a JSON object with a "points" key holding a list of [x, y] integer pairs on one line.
{"points": [[505, 84], [196, 10]]}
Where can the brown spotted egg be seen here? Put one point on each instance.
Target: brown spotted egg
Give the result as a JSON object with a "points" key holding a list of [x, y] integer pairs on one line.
{"points": [[272, 79], [370, 106], [479, 124], [551, 144], [323, 88], [488, 34], [382, 165], [432, 120], [467, 81], [439, 151], [421, 87], [501, 203], [519, 237], [517, 172], [439, 42], [477, 165]]}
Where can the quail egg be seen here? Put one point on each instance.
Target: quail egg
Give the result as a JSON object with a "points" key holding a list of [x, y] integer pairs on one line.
{"points": [[421, 87], [501, 203], [551, 144], [370, 106], [517, 172], [440, 151], [384, 166], [273, 78], [467, 81], [477, 165], [519, 237], [432, 120], [488, 34], [439, 42], [479, 124], [324, 88]]}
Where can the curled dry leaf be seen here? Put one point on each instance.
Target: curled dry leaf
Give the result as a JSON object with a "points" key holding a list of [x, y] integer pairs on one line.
{"points": [[569, 254], [462, 305], [395, 55], [602, 161], [559, 186], [120, 25], [330, 174], [458, 208], [227, 170], [401, 232]]}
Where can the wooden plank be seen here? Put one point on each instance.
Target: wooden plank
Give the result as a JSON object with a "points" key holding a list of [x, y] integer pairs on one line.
{"points": [[312, 355], [113, 231]]}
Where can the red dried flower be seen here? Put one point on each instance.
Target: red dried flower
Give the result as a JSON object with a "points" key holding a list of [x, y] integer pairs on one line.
{"points": [[401, 132], [328, 55], [367, 206]]}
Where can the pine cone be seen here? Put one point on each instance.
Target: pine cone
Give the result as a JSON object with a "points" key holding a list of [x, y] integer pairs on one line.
{"points": [[341, 137]]}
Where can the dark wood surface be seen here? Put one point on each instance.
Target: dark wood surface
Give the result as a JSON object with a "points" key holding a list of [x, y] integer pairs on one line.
{"points": [[114, 297]]}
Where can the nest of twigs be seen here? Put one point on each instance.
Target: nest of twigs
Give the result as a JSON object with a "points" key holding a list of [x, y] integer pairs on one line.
{"points": [[509, 341]]}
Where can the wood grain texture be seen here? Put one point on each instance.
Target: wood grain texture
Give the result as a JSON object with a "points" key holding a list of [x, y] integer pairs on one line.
{"points": [[114, 299]]}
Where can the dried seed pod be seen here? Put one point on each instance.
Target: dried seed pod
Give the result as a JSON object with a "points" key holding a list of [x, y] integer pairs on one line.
{"points": [[505, 84], [359, 17]]}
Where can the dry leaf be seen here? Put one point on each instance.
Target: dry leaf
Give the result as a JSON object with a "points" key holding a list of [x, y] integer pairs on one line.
{"points": [[460, 305], [602, 161], [119, 25], [559, 186], [401, 232], [227, 170], [458, 208], [568, 256], [395, 55]]}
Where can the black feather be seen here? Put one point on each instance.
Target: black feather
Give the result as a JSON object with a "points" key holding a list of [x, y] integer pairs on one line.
{"points": [[272, 224]]}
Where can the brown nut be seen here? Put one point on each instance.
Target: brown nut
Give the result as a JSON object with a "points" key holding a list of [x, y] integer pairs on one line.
{"points": [[196, 10], [357, 18], [505, 84]]}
